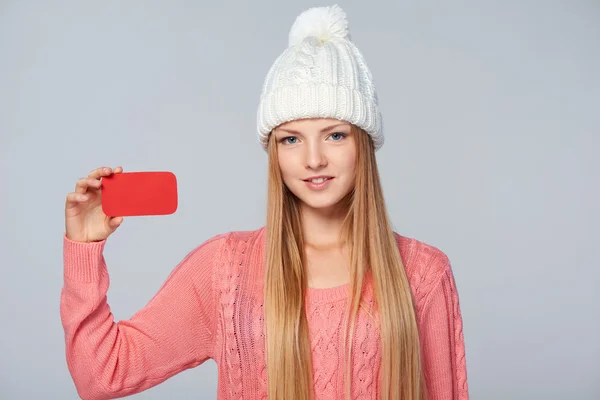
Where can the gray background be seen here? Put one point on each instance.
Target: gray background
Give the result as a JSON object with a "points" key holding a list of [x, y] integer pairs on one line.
{"points": [[491, 110]]}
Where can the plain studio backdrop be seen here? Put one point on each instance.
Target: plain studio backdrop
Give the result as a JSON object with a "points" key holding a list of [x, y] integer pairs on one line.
{"points": [[491, 113]]}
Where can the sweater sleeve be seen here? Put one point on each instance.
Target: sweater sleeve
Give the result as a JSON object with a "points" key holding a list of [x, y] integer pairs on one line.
{"points": [[175, 330], [441, 332]]}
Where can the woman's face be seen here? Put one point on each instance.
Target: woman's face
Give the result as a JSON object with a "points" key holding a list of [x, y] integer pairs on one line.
{"points": [[317, 147]]}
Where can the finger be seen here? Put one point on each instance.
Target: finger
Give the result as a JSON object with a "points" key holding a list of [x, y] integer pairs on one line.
{"points": [[115, 221], [100, 172], [118, 170], [73, 199], [82, 184]]}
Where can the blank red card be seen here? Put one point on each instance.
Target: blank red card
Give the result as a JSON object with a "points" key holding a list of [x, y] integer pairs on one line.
{"points": [[139, 193]]}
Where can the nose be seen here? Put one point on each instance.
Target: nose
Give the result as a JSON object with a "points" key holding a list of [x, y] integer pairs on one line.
{"points": [[315, 156]]}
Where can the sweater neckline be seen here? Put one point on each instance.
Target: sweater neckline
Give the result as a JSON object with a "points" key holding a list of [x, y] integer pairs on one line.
{"points": [[326, 295], [316, 296]]}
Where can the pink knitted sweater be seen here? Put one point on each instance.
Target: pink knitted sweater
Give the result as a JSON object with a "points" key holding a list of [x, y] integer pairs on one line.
{"points": [[211, 307]]}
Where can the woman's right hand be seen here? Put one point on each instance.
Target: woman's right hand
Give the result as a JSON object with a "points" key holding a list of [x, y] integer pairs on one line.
{"points": [[84, 219]]}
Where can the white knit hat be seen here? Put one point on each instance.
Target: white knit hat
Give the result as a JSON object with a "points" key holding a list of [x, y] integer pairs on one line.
{"points": [[320, 75]]}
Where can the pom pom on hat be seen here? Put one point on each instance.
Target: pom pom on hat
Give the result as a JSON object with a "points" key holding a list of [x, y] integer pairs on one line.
{"points": [[324, 23]]}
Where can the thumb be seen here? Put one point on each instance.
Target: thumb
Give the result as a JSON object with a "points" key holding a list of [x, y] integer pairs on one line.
{"points": [[114, 223]]}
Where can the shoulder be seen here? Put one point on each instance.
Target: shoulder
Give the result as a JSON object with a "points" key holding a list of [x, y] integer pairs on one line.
{"points": [[425, 265], [248, 236], [228, 243]]}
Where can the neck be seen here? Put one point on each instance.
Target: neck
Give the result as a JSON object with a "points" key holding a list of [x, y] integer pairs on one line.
{"points": [[321, 228]]}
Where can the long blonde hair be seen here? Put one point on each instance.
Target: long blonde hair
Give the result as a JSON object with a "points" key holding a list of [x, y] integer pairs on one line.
{"points": [[374, 249]]}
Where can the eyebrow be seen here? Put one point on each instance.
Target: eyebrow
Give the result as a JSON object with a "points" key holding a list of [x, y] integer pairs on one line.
{"points": [[322, 130]]}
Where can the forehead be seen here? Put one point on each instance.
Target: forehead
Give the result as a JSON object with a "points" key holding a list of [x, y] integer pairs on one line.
{"points": [[310, 124]]}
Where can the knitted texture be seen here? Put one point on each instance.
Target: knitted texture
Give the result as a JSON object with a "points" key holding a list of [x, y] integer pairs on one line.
{"points": [[322, 74], [211, 306]]}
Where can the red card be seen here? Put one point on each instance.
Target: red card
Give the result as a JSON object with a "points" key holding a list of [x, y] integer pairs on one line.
{"points": [[139, 193]]}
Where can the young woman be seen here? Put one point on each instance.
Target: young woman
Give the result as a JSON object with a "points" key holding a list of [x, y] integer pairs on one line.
{"points": [[325, 301]]}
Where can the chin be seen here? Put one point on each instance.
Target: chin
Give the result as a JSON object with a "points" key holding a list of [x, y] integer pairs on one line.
{"points": [[319, 204]]}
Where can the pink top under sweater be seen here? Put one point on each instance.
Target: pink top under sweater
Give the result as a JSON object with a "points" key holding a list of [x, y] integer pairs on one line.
{"points": [[211, 307]]}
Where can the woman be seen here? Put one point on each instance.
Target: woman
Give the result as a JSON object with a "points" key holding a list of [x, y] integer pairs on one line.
{"points": [[280, 308]]}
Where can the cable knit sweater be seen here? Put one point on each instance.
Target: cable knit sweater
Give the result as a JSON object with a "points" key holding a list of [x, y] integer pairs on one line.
{"points": [[211, 307]]}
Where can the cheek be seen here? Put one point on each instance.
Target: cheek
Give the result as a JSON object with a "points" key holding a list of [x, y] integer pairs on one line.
{"points": [[286, 168], [348, 163]]}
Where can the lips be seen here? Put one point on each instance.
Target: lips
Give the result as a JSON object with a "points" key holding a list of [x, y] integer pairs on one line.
{"points": [[320, 184], [319, 178]]}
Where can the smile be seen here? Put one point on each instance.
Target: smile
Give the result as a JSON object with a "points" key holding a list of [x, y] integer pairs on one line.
{"points": [[318, 183]]}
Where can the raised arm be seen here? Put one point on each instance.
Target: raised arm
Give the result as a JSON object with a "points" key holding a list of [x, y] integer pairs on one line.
{"points": [[173, 332]]}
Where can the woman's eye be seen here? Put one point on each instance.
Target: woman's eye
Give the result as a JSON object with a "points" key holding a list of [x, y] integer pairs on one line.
{"points": [[337, 135], [286, 140]]}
